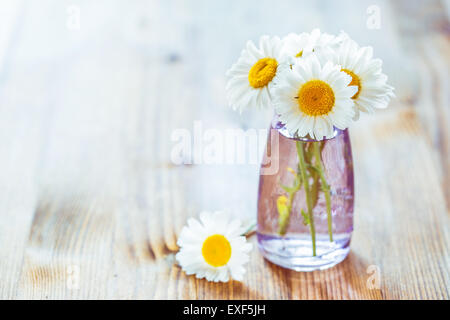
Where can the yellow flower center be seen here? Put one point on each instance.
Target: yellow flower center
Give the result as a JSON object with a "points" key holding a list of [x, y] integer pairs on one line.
{"points": [[355, 81], [262, 72], [315, 98], [298, 55], [216, 250]]}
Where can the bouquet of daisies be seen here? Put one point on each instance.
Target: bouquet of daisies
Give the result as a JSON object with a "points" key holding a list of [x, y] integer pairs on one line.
{"points": [[315, 81]]}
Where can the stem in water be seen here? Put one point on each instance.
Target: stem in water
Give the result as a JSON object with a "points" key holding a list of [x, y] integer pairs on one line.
{"points": [[325, 188], [302, 168]]}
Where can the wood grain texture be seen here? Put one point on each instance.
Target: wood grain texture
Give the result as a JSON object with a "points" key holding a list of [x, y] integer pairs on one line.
{"points": [[91, 204]]}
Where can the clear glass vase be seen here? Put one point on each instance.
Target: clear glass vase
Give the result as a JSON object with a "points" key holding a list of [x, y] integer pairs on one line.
{"points": [[305, 208]]}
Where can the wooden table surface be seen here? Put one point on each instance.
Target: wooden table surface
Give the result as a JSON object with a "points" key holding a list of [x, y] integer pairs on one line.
{"points": [[91, 203]]}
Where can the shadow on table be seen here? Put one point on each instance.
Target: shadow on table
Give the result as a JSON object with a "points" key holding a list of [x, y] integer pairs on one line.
{"points": [[351, 279]]}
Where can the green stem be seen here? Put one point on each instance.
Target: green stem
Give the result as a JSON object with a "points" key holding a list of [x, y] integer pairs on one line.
{"points": [[249, 230], [314, 175], [282, 228], [325, 188], [302, 167]]}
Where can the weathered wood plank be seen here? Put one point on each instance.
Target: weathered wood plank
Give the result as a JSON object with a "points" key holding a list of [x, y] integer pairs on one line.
{"points": [[92, 204], [424, 27]]}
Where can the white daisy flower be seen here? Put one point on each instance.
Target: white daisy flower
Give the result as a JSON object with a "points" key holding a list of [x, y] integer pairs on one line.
{"points": [[373, 92], [311, 99], [213, 247], [303, 44], [251, 77]]}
